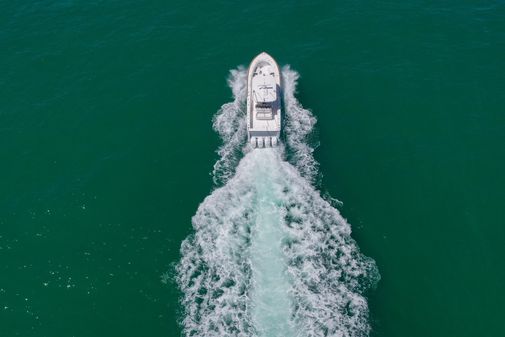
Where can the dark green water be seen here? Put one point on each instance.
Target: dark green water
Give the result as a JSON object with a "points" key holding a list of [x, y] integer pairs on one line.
{"points": [[106, 149]]}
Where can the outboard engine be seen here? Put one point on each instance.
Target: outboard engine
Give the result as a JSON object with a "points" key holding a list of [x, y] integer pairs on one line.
{"points": [[260, 142], [264, 142], [267, 142], [274, 141]]}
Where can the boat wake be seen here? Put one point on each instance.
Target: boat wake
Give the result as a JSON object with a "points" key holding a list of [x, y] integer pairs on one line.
{"points": [[269, 256]]}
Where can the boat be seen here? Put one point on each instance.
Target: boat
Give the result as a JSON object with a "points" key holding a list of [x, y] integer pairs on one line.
{"points": [[263, 102]]}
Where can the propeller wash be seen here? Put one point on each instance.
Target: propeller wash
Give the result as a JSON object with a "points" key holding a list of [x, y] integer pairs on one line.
{"points": [[269, 256]]}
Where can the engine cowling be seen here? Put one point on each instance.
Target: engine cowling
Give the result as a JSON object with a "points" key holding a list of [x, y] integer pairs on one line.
{"points": [[267, 142], [260, 142]]}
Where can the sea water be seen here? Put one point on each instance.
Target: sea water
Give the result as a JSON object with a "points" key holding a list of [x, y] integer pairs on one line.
{"points": [[269, 256]]}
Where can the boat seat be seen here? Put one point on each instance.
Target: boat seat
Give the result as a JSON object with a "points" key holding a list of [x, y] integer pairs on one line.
{"points": [[264, 116], [264, 113]]}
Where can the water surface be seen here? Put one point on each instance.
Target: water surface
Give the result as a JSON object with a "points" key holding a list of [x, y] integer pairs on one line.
{"points": [[107, 144]]}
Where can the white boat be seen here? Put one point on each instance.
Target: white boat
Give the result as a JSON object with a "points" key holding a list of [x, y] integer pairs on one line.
{"points": [[263, 102]]}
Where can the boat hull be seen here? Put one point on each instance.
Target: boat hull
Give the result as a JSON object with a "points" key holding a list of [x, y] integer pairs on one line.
{"points": [[263, 102]]}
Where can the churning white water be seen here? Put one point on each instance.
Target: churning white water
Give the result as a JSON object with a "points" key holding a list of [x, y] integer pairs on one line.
{"points": [[269, 256]]}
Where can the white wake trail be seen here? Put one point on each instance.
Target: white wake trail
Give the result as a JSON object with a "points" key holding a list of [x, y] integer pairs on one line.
{"points": [[269, 257], [299, 123], [230, 123], [271, 296]]}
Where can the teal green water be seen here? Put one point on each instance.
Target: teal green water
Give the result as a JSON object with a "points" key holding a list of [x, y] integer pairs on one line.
{"points": [[106, 149]]}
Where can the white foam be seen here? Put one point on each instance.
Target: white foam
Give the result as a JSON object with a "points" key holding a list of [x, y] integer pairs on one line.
{"points": [[299, 123], [269, 256], [230, 123]]}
